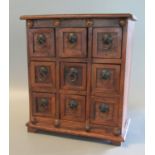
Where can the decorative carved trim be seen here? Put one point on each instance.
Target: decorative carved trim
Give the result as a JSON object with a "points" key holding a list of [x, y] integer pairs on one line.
{"points": [[117, 131], [56, 22], [87, 127], [122, 22], [29, 24], [89, 22], [56, 123], [34, 121]]}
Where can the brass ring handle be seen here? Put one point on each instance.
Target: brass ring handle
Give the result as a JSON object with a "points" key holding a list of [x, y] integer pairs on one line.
{"points": [[41, 39], [73, 104], [105, 74], [103, 108], [72, 38], [107, 40], [43, 73], [43, 103], [73, 74]]}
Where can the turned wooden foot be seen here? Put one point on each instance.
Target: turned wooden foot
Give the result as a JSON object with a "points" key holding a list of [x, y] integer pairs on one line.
{"points": [[116, 143], [30, 129]]}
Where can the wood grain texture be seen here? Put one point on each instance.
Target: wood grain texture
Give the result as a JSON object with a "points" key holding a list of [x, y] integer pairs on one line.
{"points": [[79, 69], [107, 42], [123, 15]]}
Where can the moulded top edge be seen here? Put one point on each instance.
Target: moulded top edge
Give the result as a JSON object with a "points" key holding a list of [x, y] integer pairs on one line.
{"points": [[122, 15]]}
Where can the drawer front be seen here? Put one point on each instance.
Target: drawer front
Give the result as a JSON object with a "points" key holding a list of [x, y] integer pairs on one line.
{"points": [[72, 42], [73, 107], [104, 111], [105, 78], [107, 42], [70, 23], [43, 104], [73, 76], [41, 42], [42, 75]]}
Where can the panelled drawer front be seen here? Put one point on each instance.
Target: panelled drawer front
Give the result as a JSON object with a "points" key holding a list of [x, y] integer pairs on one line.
{"points": [[72, 42], [43, 105], [42, 76], [105, 79], [104, 111], [41, 43], [73, 76], [107, 42], [73, 107]]}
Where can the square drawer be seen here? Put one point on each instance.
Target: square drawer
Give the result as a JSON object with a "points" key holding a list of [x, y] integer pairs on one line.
{"points": [[41, 42], [73, 107], [72, 42], [73, 76], [105, 79], [104, 111], [42, 75], [43, 104], [107, 42]]}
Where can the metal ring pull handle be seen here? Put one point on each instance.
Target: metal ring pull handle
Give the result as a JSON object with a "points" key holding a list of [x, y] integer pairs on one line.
{"points": [[105, 74], [73, 104], [73, 74], [72, 38], [41, 39], [43, 73], [43, 104], [103, 108], [107, 40]]}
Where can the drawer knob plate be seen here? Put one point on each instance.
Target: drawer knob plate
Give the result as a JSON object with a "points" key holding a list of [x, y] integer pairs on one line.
{"points": [[72, 38], [43, 73], [103, 108], [73, 104], [72, 74], [41, 39], [105, 74], [107, 40], [42, 104]]}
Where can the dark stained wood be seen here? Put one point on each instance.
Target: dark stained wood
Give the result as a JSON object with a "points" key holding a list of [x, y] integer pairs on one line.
{"points": [[72, 23], [123, 15], [79, 85], [106, 85], [43, 104], [102, 47], [73, 107], [69, 49], [42, 75], [89, 70], [46, 48], [74, 76], [106, 117]]}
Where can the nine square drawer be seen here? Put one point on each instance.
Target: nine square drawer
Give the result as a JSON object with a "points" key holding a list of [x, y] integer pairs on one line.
{"points": [[105, 78], [43, 104], [107, 42], [73, 107], [72, 42], [104, 111], [41, 43], [42, 75], [73, 76]]}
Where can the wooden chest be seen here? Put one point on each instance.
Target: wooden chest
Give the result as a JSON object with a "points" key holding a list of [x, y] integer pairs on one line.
{"points": [[79, 68]]}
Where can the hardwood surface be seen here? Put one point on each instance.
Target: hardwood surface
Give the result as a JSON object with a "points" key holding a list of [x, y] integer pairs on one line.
{"points": [[121, 15], [79, 69]]}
